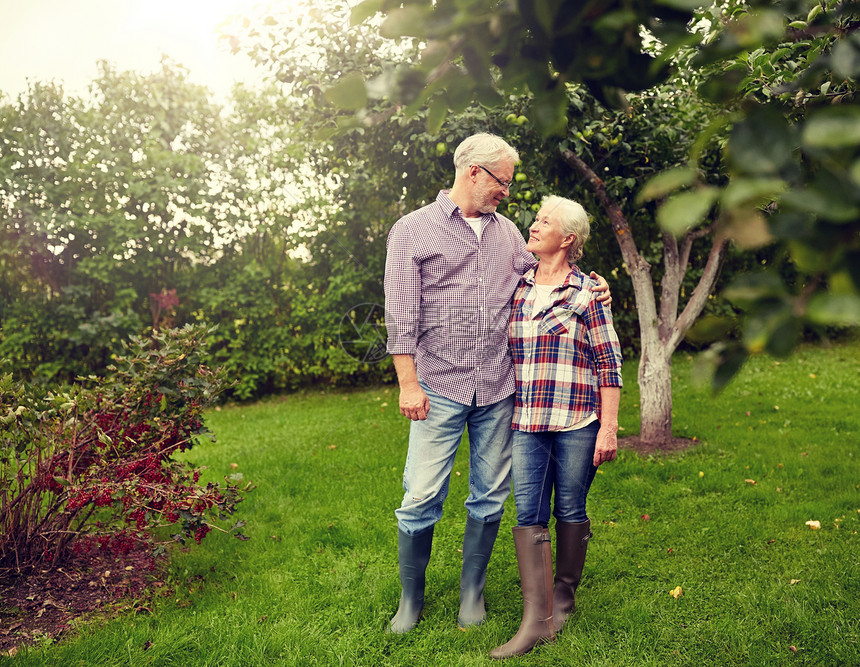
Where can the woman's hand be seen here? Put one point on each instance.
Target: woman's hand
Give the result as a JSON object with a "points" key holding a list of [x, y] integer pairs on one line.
{"points": [[607, 445], [604, 295]]}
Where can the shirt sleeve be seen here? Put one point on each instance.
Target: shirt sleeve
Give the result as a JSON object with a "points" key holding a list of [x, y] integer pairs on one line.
{"points": [[604, 344], [523, 259], [402, 291]]}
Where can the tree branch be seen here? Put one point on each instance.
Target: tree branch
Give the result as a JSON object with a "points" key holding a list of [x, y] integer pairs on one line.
{"points": [[700, 294]]}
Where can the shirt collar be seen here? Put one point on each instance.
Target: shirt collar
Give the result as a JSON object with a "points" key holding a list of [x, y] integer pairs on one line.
{"points": [[450, 208], [573, 279]]}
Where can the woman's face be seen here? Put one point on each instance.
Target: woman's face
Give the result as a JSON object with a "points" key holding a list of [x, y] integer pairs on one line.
{"points": [[546, 236]]}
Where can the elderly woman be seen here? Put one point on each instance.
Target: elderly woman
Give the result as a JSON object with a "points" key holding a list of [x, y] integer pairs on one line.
{"points": [[568, 372]]}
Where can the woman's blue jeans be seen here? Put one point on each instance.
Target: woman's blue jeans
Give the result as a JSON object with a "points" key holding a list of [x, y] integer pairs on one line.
{"points": [[433, 444], [560, 460]]}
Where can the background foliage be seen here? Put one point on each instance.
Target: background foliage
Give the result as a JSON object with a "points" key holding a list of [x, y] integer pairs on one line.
{"points": [[269, 221]]}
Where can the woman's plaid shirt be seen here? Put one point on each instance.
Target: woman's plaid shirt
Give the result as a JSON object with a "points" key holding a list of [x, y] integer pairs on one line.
{"points": [[562, 354]]}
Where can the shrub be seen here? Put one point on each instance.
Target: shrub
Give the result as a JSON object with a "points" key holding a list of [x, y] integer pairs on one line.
{"points": [[94, 462]]}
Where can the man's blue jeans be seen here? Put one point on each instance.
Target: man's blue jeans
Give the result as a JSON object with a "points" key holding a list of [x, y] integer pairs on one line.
{"points": [[433, 445], [563, 460]]}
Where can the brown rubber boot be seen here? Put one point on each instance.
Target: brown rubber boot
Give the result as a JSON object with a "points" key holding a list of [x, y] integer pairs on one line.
{"points": [[534, 559], [571, 543]]}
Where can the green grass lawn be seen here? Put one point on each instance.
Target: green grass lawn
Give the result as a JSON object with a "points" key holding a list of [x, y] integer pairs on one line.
{"points": [[317, 581]]}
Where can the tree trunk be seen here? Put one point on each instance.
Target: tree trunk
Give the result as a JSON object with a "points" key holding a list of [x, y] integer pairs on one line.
{"points": [[655, 392], [660, 333]]}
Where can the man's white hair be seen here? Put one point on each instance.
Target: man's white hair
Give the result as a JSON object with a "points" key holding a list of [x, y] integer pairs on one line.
{"points": [[484, 149]]}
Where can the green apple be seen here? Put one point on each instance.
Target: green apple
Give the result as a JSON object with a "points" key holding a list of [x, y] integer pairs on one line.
{"points": [[441, 148], [511, 118], [520, 177]]}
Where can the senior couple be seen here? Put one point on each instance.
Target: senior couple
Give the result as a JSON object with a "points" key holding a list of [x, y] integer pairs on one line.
{"points": [[520, 352]]}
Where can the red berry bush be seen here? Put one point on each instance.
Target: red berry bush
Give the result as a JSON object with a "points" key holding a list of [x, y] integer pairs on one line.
{"points": [[93, 464]]}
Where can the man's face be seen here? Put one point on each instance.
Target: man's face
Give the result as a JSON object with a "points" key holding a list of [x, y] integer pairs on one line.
{"points": [[488, 192]]}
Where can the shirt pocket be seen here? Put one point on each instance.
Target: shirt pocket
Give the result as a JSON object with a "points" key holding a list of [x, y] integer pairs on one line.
{"points": [[557, 322]]}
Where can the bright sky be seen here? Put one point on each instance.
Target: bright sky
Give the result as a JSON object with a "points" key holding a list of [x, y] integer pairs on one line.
{"points": [[62, 40]]}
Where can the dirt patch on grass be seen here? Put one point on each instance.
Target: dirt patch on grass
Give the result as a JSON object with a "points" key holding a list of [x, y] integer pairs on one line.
{"points": [[41, 605], [663, 447]]}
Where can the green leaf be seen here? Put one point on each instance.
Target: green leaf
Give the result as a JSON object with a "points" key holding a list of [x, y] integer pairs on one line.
{"points": [[349, 93], [364, 10], [833, 128], [750, 287], [748, 228], [808, 258], [436, 115], [762, 324], [550, 112], [62, 481], [684, 5], [854, 172], [710, 328], [686, 210], [730, 361], [409, 21], [762, 143], [820, 203], [666, 183], [751, 191], [838, 309], [846, 58], [545, 14]]}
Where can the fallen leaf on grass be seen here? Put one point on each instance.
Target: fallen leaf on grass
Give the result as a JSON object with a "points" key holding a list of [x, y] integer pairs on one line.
{"points": [[814, 525], [793, 649], [676, 592], [332, 446], [751, 481], [234, 465], [793, 582]]}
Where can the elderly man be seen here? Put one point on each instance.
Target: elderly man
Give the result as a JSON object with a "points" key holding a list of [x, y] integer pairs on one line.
{"points": [[451, 270]]}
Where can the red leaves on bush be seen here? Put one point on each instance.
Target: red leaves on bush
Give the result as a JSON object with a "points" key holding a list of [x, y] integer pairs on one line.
{"points": [[97, 460]]}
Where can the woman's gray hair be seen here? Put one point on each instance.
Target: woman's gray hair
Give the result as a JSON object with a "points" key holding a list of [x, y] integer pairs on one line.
{"points": [[485, 149], [573, 220]]}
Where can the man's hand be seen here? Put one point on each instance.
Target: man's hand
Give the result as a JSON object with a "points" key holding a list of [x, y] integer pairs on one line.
{"points": [[602, 286], [607, 445], [414, 402]]}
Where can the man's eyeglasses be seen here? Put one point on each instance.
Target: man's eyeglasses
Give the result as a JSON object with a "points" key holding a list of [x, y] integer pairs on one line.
{"points": [[504, 184]]}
